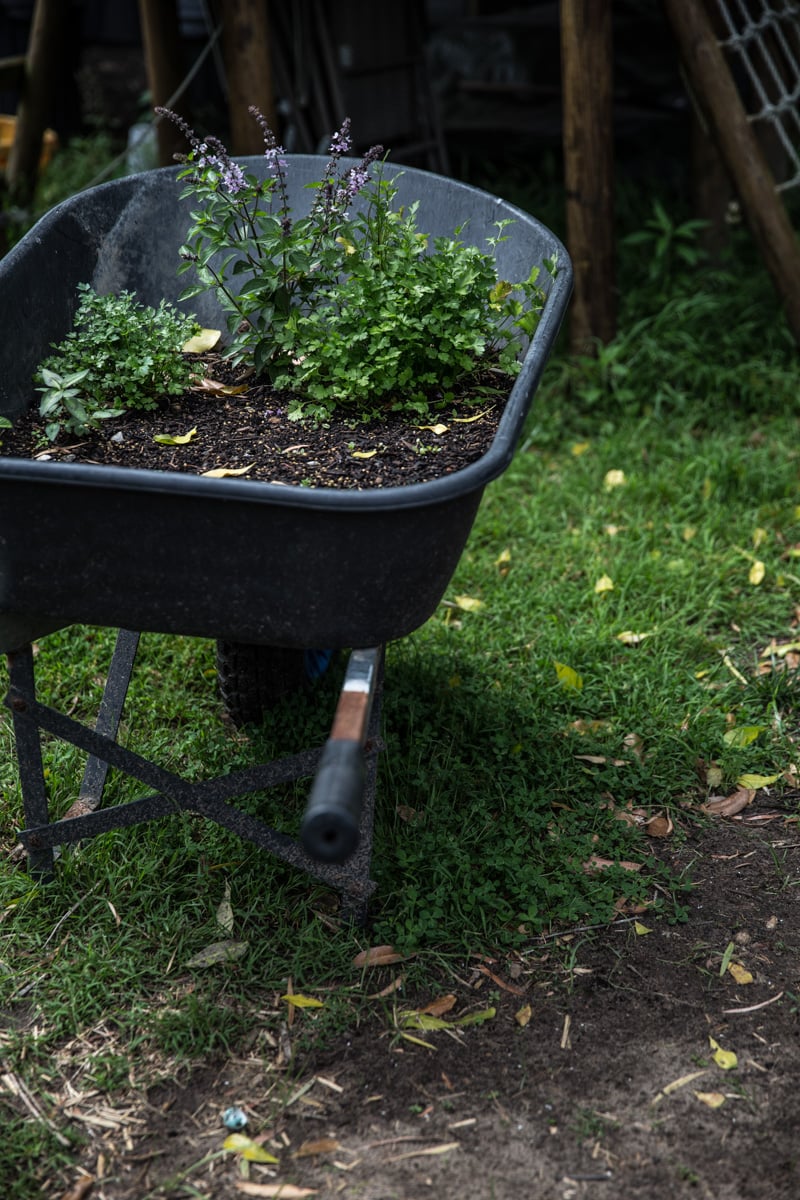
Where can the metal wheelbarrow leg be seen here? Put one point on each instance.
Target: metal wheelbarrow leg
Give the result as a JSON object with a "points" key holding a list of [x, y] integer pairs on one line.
{"points": [[336, 840]]}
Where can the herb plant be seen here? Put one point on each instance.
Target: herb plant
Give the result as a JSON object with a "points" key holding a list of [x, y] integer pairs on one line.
{"points": [[119, 355], [351, 303]]}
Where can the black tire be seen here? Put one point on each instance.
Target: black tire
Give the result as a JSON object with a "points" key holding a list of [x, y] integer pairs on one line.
{"points": [[254, 679]]}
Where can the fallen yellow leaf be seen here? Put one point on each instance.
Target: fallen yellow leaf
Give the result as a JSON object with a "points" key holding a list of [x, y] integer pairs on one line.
{"points": [[206, 339], [216, 388], [742, 735], [226, 472], [641, 929], [740, 973], [469, 420], [758, 781], [629, 638], [725, 1059], [437, 428], [178, 439], [614, 479], [468, 603], [579, 448], [604, 584], [299, 1001], [757, 572], [524, 1015], [567, 676], [712, 1099], [364, 453], [252, 1151], [282, 1191]]}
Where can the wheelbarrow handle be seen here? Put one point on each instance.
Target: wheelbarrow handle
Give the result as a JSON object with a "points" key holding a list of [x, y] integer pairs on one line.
{"points": [[331, 828], [332, 819]]}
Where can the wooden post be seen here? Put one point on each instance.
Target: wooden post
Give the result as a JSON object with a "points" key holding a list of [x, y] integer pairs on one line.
{"points": [[716, 94], [248, 69], [588, 140], [162, 51], [48, 37]]}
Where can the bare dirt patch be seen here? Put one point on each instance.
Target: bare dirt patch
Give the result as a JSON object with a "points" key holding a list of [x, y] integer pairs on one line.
{"points": [[606, 1091]]}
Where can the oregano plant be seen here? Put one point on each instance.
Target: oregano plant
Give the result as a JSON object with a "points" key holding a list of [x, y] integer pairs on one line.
{"points": [[120, 354]]}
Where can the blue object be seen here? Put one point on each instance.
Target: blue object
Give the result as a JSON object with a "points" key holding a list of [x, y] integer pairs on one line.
{"points": [[317, 662], [234, 1119]]}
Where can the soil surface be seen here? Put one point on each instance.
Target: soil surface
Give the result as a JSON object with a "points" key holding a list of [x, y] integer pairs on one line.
{"points": [[596, 1077], [225, 426]]}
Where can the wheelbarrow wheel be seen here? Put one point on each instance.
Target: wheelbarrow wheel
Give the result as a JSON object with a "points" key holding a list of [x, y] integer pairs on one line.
{"points": [[253, 680]]}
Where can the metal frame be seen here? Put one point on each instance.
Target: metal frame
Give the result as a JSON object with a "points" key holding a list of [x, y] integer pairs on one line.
{"points": [[171, 794]]}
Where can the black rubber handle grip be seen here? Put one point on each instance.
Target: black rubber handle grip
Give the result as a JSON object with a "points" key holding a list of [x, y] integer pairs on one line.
{"points": [[331, 824]]}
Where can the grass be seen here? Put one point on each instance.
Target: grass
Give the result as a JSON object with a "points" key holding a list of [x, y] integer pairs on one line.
{"points": [[605, 637]]}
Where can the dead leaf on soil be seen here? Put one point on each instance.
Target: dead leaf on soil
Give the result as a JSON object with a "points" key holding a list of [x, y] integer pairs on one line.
{"points": [[239, 1143], [524, 1015], [80, 1189], [437, 428], [217, 388], [507, 987], [177, 439], [470, 420], [285, 1191], [444, 1148], [203, 341], [377, 956], [364, 453], [728, 806], [659, 826], [641, 930], [712, 1099], [227, 472], [437, 1008], [725, 1059], [394, 986], [740, 973], [320, 1146], [677, 1084]]}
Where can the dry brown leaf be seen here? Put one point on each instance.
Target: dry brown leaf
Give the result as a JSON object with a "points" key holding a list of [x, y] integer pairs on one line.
{"points": [[728, 806], [394, 986], [438, 1008], [80, 1189], [319, 1146], [659, 826], [507, 987], [217, 388], [377, 956]]}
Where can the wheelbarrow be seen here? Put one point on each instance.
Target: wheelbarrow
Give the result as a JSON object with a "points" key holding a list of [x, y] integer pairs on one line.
{"points": [[268, 571]]}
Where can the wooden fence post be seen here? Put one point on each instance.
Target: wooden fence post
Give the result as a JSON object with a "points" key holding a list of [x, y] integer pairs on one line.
{"points": [[45, 43], [588, 141], [162, 46], [248, 69]]}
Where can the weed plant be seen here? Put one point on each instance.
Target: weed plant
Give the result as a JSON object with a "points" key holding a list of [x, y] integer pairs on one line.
{"points": [[615, 620]]}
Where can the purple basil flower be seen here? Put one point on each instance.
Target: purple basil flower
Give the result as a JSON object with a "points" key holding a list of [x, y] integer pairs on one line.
{"points": [[342, 143]]}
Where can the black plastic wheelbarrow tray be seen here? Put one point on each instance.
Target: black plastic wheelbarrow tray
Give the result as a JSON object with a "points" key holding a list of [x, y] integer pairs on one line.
{"points": [[249, 562]]}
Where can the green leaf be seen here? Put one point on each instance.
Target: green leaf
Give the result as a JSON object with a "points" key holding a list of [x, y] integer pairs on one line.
{"points": [[178, 439], [239, 1143], [743, 735]]}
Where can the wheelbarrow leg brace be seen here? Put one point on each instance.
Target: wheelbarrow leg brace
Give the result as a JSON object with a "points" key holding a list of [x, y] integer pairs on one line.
{"points": [[86, 818]]}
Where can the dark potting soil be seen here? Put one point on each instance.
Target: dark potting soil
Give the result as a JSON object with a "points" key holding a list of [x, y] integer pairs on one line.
{"points": [[248, 434]]}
